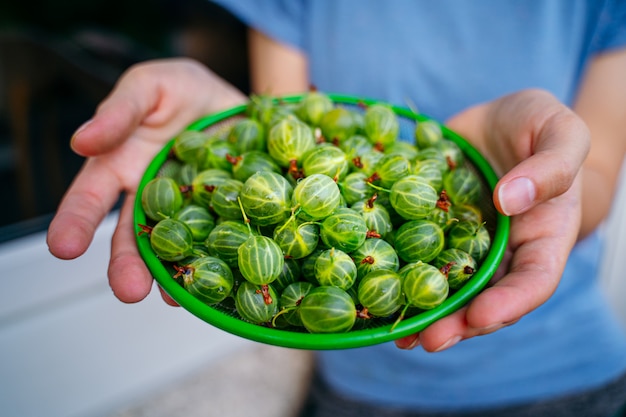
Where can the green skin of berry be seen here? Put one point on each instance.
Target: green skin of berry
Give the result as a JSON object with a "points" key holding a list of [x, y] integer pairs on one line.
{"points": [[217, 152], [224, 200], [296, 239], [190, 147], [260, 260], [345, 230], [419, 240], [381, 124], [204, 184], [316, 197], [199, 220], [224, 240], [380, 291], [290, 273], [391, 168], [313, 106], [470, 237], [425, 287], [375, 254], [463, 186], [427, 134], [251, 162], [253, 305], [171, 240], [376, 216], [354, 187], [413, 198], [288, 140], [326, 159], [266, 198], [336, 268], [337, 125], [160, 198], [209, 279], [457, 265], [327, 309], [248, 135], [290, 299]]}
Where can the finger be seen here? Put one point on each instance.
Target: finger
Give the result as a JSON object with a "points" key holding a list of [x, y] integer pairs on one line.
{"points": [[117, 116], [540, 242], [558, 151], [91, 196], [129, 277], [166, 297], [537, 141]]}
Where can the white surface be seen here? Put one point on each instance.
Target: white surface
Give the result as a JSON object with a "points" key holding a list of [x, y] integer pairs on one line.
{"points": [[612, 271], [69, 348]]}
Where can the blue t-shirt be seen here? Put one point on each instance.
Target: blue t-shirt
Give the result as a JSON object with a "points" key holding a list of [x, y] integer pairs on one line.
{"points": [[444, 56]]}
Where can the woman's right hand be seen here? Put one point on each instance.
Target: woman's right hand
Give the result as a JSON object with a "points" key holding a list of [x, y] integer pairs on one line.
{"points": [[150, 104]]}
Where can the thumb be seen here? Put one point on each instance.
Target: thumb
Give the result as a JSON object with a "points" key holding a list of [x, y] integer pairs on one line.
{"points": [[535, 143]]}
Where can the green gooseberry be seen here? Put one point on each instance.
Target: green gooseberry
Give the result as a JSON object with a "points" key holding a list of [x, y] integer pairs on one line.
{"points": [[189, 146], [171, 240], [296, 238], [204, 184], [381, 124], [375, 254], [326, 159], [313, 106], [380, 292], [315, 197], [419, 240], [327, 309], [412, 197], [338, 124], [375, 214], [255, 303], [225, 199], [266, 198], [463, 186], [260, 259], [391, 168], [457, 265], [428, 133], [471, 237], [336, 268], [251, 162], [345, 230], [199, 220], [425, 286], [354, 187], [224, 240], [288, 140], [209, 279], [161, 198], [247, 134]]}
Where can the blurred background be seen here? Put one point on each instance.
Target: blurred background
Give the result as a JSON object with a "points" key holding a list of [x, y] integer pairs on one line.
{"points": [[68, 347], [59, 59]]}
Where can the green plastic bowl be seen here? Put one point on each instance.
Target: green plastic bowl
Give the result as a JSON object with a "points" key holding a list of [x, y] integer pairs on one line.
{"points": [[224, 319]]}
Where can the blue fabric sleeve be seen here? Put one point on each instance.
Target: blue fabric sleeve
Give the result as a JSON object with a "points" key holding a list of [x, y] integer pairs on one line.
{"points": [[611, 32], [282, 20]]}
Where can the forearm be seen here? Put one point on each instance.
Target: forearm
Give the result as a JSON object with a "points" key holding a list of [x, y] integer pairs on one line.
{"points": [[602, 105]]}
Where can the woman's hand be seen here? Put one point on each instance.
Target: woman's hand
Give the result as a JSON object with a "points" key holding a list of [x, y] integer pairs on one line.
{"points": [[537, 145], [150, 104]]}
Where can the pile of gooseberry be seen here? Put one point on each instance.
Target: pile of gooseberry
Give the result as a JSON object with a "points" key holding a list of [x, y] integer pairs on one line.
{"points": [[317, 217]]}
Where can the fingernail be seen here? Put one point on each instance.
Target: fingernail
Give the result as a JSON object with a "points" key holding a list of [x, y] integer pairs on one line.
{"points": [[80, 129], [449, 343], [516, 196], [413, 343]]}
